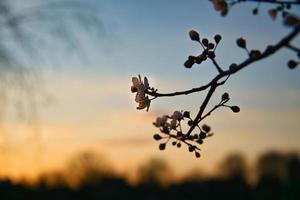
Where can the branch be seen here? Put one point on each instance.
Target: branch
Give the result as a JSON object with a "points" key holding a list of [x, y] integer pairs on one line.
{"points": [[291, 47], [202, 108], [213, 84], [269, 51], [222, 103], [220, 70]]}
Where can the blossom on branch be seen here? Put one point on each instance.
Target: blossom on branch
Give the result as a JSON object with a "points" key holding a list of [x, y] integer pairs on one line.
{"points": [[180, 128], [139, 87]]}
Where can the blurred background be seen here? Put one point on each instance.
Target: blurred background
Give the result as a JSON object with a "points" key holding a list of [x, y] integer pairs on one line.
{"points": [[69, 128]]}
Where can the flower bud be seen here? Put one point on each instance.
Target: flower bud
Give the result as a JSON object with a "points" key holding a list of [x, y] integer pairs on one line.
{"points": [[162, 146], [189, 63], [179, 134], [218, 38], [241, 42], [225, 96], [157, 137], [197, 154], [211, 54], [203, 56], [270, 49], [291, 20], [211, 45], [232, 66], [202, 135], [273, 13], [134, 89], [186, 114], [235, 109], [255, 11], [192, 148], [198, 60], [194, 35], [206, 128], [292, 64], [200, 141], [255, 53], [205, 42]]}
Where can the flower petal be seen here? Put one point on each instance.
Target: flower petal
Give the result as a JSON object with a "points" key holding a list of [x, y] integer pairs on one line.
{"points": [[135, 81], [146, 82], [173, 124]]}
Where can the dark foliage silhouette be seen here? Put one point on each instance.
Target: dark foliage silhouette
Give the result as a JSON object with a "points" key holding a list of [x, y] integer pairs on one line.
{"points": [[154, 172], [234, 167], [282, 183]]}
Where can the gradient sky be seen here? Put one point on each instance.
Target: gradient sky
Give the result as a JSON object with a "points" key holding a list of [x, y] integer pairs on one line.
{"points": [[91, 108]]}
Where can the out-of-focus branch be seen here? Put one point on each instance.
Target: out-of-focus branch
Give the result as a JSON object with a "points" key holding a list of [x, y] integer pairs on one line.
{"points": [[295, 2]]}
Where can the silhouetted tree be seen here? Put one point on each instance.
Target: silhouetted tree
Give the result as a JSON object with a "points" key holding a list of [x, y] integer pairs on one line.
{"points": [[234, 167], [274, 176], [115, 187], [88, 168], [154, 172], [272, 166]]}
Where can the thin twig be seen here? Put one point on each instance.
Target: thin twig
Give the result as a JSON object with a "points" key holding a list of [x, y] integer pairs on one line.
{"points": [[296, 49]]}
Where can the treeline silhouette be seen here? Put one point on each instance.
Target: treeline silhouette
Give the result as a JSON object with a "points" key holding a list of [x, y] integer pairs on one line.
{"points": [[277, 176]]}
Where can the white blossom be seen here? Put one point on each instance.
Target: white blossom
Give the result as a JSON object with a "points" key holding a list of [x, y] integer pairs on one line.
{"points": [[173, 124], [161, 121], [139, 87]]}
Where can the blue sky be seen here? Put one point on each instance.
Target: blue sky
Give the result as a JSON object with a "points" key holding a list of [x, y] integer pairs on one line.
{"points": [[150, 37]]}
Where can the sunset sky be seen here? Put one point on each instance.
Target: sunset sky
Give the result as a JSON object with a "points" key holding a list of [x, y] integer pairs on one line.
{"points": [[88, 105]]}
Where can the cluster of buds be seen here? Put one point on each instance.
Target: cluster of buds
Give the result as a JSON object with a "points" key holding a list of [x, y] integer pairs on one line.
{"points": [[208, 49], [171, 130]]}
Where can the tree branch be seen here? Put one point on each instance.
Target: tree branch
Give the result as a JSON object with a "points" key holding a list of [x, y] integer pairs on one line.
{"points": [[291, 47], [269, 51], [202, 108], [220, 70]]}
